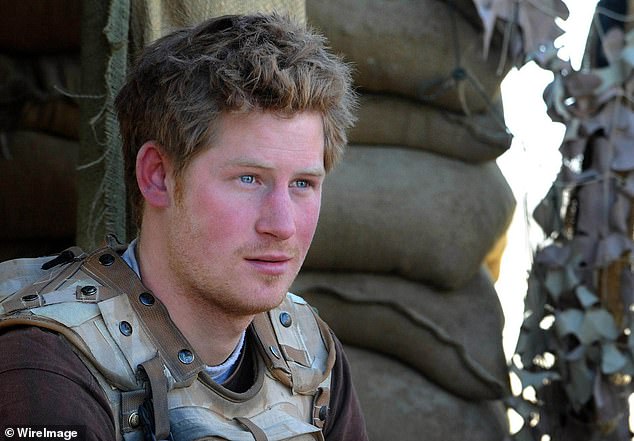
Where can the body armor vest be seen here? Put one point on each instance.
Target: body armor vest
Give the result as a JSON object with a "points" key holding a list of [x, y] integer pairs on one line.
{"points": [[154, 381]]}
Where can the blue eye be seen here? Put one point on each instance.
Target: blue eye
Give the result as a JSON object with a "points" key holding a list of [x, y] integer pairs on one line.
{"points": [[247, 179], [302, 183]]}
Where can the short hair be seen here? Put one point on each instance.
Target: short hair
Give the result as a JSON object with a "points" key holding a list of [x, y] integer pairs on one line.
{"points": [[183, 82]]}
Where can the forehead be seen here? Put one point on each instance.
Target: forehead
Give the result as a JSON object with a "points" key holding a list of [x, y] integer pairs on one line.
{"points": [[266, 136]]}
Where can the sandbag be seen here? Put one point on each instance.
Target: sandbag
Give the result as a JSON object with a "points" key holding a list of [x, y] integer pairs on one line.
{"points": [[453, 338], [400, 404], [33, 94], [151, 19], [413, 213], [37, 186], [392, 120], [422, 49]]}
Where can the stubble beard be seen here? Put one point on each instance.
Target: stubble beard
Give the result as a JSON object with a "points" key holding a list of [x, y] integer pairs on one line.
{"points": [[216, 292]]}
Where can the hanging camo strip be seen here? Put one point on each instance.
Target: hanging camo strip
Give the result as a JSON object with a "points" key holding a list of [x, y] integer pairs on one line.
{"points": [[102, 200], [116, 32], [528, 26]]}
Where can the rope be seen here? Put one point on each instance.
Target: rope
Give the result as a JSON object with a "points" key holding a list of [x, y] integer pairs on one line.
{"points": [[459, 76]]}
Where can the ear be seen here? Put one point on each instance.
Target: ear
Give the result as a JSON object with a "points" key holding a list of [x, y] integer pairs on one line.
{"points": [[153, 170]]}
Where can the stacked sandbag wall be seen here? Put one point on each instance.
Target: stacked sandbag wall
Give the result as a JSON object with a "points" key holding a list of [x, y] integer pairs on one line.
{"points": [[397, 266], [39, 123]]}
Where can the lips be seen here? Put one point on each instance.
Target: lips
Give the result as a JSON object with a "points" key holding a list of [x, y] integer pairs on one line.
{"points": [[271, 265]]}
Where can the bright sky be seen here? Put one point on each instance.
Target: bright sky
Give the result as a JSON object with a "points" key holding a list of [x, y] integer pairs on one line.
{"points": [[532, 162]]}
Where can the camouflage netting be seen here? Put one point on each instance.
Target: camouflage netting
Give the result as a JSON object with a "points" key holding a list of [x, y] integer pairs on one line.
{"points": [[576, 344]]}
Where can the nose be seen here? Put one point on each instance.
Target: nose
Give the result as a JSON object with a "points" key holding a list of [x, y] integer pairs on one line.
{"points": [[277, 215]]}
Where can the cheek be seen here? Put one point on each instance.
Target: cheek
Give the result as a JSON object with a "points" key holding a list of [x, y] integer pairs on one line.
{"points": [[228, 219], [207, 215], [307, 222]]}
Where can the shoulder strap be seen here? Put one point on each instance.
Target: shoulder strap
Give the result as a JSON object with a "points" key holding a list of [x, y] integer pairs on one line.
{"points": [[299, 351], [95, 278], [111, 270], [101, 276], [18, 273], [296, 344]]}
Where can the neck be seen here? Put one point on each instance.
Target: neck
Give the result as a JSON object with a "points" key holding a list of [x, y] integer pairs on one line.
{"points": [[213, 333]]}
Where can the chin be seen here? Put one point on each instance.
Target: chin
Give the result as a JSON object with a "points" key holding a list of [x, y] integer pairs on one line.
{"points": [[255, 308], [270, 300]]}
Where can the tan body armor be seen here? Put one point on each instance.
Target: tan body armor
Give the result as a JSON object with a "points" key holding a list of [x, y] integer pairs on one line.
{"points": [[147, 369]]}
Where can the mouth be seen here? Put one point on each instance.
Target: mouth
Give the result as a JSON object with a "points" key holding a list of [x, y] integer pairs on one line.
{"points": [[270, 265]]}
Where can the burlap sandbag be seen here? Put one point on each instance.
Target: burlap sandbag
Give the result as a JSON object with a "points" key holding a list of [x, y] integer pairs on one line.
{"points": [[32, 97], [392, 120], [414, 213], [150, 19], [37, 186], [454, 338], [401, 405], [413, 48]]}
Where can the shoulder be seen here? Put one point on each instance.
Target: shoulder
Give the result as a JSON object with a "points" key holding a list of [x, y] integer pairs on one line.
{"points": [[346, 421], [30, 347], [42, 380]]}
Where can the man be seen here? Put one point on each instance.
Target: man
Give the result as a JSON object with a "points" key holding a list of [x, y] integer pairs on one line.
{"points": [[229, 129]]}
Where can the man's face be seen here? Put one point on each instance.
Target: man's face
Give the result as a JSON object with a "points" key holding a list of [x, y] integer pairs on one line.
{"points": [[242, 223]]}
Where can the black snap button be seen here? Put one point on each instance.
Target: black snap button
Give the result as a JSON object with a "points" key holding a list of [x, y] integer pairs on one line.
{"points": [[125, 328], [29, 297], [285, 319], [89, 290], [146, 298], [459, 74], [323, 413], [185, 356], [134, 420], [106, 259]]}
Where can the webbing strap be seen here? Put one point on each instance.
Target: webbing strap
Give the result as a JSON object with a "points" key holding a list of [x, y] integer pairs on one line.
{"points": [[130, 403], [258, 434], [321, 407], [110, 270], [296, 355], [153, 370], [270, 349]]}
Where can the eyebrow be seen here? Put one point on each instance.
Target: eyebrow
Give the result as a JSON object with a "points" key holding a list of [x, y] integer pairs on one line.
{"points": [[253, 163]]}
